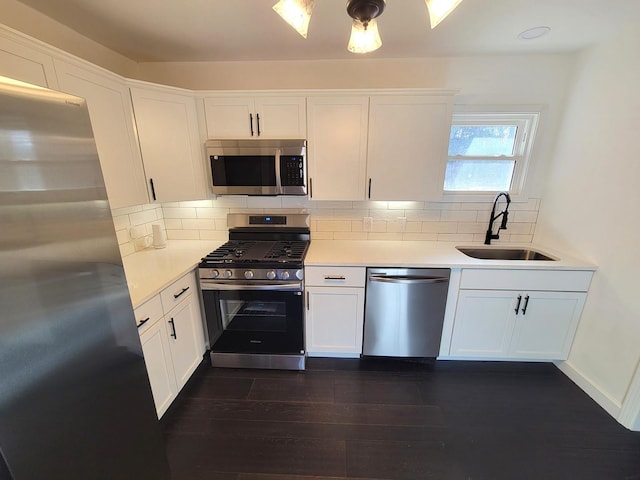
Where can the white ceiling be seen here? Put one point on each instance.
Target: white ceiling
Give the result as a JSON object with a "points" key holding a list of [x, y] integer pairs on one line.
{"points": [[228, 30]]}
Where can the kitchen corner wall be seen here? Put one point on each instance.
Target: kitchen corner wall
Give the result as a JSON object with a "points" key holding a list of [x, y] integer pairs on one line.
{"points": [[136, 221], [427, 221]]}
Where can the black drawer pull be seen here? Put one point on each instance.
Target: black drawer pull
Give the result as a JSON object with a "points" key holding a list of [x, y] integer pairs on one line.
{"points": [[518, 305], [142, 322], [176, 295]]}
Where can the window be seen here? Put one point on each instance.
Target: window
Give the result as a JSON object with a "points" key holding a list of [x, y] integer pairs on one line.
{"points": [[489, 152]]}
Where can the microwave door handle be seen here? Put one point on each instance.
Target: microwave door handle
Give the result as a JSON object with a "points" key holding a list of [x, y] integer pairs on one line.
{"points": [[278, 178]]}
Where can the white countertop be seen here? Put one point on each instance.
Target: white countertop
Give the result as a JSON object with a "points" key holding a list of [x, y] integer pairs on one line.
{"points": [[383, 253], [151, 270]]}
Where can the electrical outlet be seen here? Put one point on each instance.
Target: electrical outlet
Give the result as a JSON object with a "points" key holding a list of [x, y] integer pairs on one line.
{"points": [[402, 223], [368, 224]]}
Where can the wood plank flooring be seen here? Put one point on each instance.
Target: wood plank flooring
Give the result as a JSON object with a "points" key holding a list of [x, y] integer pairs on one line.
{"points": [[381, 419]]}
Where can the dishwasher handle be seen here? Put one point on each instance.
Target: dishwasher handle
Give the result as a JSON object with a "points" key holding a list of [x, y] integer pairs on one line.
{"points": [[407, 279]]}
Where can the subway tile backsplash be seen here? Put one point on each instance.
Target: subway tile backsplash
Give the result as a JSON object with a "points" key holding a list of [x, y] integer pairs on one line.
{"points": [[330, 220]]}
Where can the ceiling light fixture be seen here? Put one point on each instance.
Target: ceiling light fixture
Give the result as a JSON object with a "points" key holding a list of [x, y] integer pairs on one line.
{"points": [[296, 13], [439, 9], [364, 28], [364, 39]]}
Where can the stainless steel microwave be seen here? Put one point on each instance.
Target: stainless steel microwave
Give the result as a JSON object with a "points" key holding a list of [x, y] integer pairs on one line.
{"points": [[258, 167]]}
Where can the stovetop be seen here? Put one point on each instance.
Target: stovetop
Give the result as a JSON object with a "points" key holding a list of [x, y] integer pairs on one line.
{"points": [[258, 253]]}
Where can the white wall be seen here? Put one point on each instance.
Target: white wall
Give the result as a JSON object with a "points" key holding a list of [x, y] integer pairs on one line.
{"points": [[591, 206], [33, 23]]}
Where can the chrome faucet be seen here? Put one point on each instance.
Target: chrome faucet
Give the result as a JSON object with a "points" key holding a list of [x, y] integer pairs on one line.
{"points": [[504, 214]]}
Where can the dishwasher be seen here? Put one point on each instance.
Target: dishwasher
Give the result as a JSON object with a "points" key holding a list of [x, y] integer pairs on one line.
{"points": [[404, 311]]}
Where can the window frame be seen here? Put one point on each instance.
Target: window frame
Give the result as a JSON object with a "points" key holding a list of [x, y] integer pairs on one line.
{"points": [[526, 119]]}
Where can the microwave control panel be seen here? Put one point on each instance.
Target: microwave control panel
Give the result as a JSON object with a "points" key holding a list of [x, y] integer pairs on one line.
{"points": [[292, 170]]}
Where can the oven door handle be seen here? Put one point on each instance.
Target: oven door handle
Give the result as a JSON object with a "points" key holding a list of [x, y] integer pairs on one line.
{"points": [[293, 287]]}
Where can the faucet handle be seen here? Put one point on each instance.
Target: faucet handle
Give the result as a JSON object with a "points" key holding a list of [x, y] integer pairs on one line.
{"points": [[505, 215]]}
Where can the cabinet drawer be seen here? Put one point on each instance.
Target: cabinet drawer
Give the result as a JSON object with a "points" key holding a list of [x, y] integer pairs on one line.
{"points": [[335, 276], [148, 313], [178, 291], [550, 280]]}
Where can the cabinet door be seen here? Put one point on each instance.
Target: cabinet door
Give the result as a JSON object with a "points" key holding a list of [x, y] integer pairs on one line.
{"points": [[230, 117], [337, 147], [157, 356], [334, 319], [111, 115], [483, 323], [25, 63], [546, 329], [280, 117], [170, 144], [408, 141], [186, 338]]}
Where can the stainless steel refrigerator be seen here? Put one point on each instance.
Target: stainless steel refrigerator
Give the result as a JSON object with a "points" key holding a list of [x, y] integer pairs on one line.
{"points": [[75, 400]]}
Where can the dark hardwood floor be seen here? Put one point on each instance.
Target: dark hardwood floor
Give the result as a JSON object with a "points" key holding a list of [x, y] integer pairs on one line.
{"points": [[384, 419]]}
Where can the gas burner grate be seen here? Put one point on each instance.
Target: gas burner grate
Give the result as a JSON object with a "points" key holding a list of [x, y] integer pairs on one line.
{"points": [[233, 249], [285, 251]]}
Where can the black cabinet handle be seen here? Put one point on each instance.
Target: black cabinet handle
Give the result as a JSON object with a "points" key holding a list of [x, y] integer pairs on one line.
{"points": [[251, 123], [258, 122], [307, 300], [173, 329], [526, 303], [310, 187], [176, 295], [518, 305], [142, 322], [369, 188], [153, 189]]}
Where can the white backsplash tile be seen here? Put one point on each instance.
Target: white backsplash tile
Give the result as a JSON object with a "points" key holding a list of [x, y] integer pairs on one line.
{"points": [[463, 222]]}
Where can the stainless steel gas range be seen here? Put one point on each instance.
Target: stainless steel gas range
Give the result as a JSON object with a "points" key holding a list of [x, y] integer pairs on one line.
{"points": [[252, 292]]}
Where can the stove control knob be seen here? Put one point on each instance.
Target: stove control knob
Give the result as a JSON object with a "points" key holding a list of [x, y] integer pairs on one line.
{"points": [[285, 275], [228, 274], [214, 273], [248, 274], [271, 274], [299, 274]]}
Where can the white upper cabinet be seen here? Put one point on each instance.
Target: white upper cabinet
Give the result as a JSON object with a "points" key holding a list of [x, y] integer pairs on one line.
{"points": [[337, 149], [255, 117], [111, 115], [408, 141], [26, 63], [172, 151]]}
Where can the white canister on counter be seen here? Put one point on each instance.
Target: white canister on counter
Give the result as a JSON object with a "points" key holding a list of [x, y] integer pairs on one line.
{"points": [[159, 238]]}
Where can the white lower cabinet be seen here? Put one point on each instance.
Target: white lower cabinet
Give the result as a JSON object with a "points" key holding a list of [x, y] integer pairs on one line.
{"points": [[185, 338], [173, 345], [155, 347], [527, 323], [335, 311]]}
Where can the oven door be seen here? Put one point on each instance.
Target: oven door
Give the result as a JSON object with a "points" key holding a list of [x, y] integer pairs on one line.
{"points": [[265, 319]]}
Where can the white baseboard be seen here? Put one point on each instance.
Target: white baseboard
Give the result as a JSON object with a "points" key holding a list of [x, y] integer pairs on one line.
{"points": [[610, 405]]}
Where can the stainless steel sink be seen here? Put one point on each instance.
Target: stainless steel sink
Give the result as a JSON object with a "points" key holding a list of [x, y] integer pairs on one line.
{"points": [[504, 253]]}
